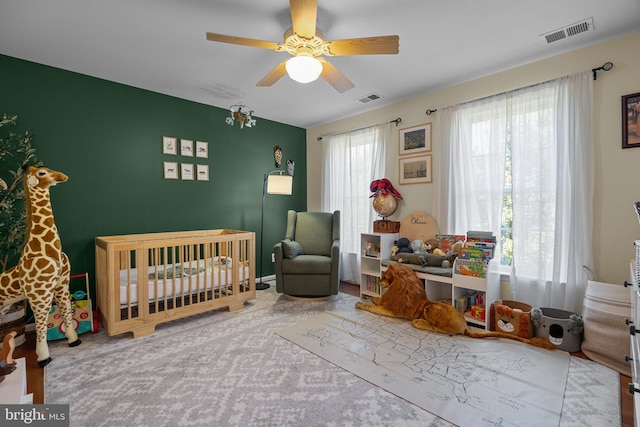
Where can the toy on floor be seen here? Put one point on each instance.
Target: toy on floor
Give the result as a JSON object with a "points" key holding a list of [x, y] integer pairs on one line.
{"points": [[8, 345], [7, 364], [405, 298], [42, 273]]}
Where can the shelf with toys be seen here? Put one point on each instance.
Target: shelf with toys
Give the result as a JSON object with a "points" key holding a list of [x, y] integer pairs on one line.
{"points": [[476, 278], [374, 247]]}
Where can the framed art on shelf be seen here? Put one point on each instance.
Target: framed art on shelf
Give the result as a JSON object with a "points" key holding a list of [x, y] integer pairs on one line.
{"points": [[186, 147], [186, 171], [202, 149], [416, 139], [202, 171], [169, 145], [631, 120], [170, 170], [415, 170]]}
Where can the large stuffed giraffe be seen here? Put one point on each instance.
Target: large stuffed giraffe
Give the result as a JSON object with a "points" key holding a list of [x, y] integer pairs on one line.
{"points": [[42, 273]]}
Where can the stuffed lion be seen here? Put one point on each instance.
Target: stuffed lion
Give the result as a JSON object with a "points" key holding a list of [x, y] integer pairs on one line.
{"points": [[405, 298]]}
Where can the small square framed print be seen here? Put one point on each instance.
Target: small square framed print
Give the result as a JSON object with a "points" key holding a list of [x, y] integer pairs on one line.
{"points": [[202, 171], [169, 145], [170, 170], [186, 171], [202, 149], [186, 147]]}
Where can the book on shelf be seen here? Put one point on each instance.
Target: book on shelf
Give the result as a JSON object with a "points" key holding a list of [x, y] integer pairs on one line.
{"points": [[373, 284], [446, 241], [477, 252], [466, 302]]}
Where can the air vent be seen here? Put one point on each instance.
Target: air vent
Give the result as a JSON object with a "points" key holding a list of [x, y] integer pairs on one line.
{"points": [[568, 31], [369, 98]]}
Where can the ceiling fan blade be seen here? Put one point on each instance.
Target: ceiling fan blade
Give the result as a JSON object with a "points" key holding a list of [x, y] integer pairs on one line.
{"points": [[303, 17], [242, 41], [274, 75], [335, 78], [364, 46]]}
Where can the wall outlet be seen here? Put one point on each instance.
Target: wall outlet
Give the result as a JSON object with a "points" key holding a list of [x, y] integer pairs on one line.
{"points": [[273, 257]]}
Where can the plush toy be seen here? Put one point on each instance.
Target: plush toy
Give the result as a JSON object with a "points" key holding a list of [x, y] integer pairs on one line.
{"points": [[438, 251], [43, 269], [457, 247], [394, 250], [403, 245], [416, 245], [432, 243], [424, 259]]}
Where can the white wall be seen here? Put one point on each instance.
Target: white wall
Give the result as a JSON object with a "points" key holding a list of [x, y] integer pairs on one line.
{"points": [[617, 180]]}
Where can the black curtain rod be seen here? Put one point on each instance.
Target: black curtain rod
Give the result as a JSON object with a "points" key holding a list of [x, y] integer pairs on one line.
{"points": [[396, 121], [605, 67]]}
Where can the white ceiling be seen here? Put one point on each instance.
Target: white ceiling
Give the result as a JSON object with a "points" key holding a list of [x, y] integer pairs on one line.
{"points": [[160, 45]]}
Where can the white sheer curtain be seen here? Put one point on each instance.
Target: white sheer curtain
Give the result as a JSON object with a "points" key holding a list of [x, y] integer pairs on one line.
{"points": [[545, 132], [553, 193], [351, 161], [471, 166]]}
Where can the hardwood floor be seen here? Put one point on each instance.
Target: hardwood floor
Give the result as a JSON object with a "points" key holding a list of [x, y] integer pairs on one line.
{"points": [[35, 374]]}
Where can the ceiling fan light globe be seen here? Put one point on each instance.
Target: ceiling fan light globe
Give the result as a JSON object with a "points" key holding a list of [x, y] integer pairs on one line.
{"points": [[303, 69]]}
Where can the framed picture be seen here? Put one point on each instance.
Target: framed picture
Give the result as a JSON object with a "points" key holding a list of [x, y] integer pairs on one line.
{"points": [[170, 170], [202, 171], [186, 147], [415, 170], [631, 120], [416, 139], [202, 149], [186, 171], [169, 145]]}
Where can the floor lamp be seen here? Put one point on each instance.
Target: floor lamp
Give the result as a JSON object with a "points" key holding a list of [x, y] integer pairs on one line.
{"points": [[275, 182]]}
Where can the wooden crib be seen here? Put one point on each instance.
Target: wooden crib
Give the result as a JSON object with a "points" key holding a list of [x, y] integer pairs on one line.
{"points": [[176, 275]]}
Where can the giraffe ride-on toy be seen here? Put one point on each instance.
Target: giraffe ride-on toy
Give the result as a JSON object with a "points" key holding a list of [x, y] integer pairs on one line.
{"points": [[43, 270]]}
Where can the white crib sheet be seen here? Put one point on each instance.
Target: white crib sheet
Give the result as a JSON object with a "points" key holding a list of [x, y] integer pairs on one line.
{"points": [[190, 278]]}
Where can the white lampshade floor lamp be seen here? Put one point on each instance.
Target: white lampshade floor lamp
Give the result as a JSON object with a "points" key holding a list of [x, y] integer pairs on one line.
{"points": [[275, 182]]}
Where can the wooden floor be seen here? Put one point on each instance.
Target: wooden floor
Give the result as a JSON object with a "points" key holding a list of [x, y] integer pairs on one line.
{"points": [[35, 374]]}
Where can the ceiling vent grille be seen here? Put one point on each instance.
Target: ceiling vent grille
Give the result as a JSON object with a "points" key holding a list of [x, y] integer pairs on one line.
{"points": [[369, 98], [568, 31]]}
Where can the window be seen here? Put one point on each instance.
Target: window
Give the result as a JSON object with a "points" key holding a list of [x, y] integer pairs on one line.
{"points": [[351, 161], [520, 164]]}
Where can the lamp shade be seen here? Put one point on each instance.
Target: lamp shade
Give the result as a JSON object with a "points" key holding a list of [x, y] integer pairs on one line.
{"points": [[303, 69], [280, 184]]}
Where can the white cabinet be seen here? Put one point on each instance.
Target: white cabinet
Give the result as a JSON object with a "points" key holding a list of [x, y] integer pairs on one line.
{"points": [[488, 286], [634, 329], [13, 390], [374, 247]]}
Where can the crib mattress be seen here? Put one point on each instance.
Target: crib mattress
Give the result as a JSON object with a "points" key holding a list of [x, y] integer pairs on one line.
{"points": [[178, 280]]}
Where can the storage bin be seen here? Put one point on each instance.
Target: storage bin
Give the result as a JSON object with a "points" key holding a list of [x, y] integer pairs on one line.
{"points": [[511, 317], [562, 328]]}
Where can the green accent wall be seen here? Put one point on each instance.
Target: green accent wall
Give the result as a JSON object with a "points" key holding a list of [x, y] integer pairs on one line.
{"points": [[107, 137]]}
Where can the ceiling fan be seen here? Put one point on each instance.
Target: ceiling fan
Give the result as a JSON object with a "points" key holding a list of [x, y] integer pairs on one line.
{"points": [[308, 45]]}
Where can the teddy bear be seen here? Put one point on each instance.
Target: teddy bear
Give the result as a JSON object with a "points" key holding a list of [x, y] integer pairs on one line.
{"points": [[403, 245], [416, 246]]}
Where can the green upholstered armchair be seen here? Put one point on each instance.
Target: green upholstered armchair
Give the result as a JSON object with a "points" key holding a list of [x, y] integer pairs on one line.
{"points": [[307, 261]]}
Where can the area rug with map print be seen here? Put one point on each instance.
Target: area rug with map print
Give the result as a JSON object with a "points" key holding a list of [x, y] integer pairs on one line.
{"points": [[466, 381], [232, 369]]}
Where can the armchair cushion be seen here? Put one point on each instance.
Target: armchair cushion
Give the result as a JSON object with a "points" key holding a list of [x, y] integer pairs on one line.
{"points": [[291, 248]]}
